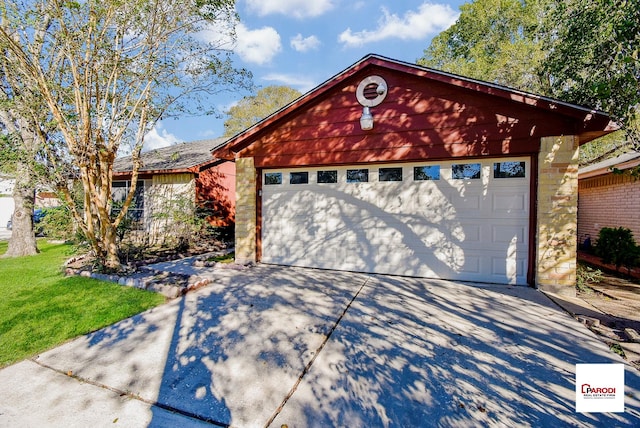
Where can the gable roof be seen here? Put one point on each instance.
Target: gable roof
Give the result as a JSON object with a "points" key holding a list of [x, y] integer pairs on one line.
{"points": [[591, 123], [624, 161], [184, 157]]}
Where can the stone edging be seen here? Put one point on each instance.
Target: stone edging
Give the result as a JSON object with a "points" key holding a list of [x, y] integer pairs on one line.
{"points": [[168, 284]]}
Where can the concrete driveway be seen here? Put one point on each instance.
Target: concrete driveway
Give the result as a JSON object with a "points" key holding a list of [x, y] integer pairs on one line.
{"points": [[269, 346]]}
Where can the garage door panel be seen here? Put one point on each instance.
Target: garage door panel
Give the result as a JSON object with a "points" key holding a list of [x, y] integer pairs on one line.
{"points": [[510, 235], [510, 202], [509, 269], [444, 228]]}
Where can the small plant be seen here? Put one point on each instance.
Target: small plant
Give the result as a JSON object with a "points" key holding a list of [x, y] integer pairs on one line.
{"points": [[617, 246], [585, 276], [615, 347], [227, 258]]}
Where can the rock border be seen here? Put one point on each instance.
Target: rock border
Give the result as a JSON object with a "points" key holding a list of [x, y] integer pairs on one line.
{"points": [[169, 284]]}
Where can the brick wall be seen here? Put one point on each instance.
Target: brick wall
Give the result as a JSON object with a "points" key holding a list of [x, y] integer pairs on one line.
{"points": [[245, 210], [557, 215], [611, 200]]}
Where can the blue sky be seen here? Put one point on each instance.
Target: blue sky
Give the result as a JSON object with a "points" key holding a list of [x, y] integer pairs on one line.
{"points": [[302, 43]]}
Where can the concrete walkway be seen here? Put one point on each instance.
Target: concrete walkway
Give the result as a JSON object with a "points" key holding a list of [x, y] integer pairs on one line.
{"points": [[268, 346]]}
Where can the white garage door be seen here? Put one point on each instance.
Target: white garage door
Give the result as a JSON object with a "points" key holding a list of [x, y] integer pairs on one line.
{"points": [[464, 220]]}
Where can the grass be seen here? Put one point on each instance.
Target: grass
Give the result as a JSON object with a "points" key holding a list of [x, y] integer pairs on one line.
{"points": [[41, 308], [227, 258]]}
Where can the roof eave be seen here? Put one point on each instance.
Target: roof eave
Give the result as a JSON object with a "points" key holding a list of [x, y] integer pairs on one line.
{"points": [[632, 163]]}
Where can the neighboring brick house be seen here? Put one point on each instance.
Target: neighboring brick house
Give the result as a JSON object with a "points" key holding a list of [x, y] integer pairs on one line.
{"points": [[608, 199], [393, 168], [172, 181]]}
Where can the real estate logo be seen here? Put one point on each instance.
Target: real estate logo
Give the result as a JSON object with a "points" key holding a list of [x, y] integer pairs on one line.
{"points": [[599, 388]]}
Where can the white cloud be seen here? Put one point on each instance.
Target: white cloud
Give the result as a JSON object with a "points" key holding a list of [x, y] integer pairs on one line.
{"points": [[414, 25], [296, 8], [304, 44], [303, 84], [159, 137], [257, 46]]}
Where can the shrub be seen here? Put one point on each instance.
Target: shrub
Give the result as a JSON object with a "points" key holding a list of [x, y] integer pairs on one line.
{"points": [[57, 223], [586, 276], [617, 246]]}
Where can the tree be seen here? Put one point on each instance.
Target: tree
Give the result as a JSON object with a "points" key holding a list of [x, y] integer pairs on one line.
{"points": [[594, 57], [18, 156], [102, 72], [581, 51], [252, 109], [499, 41]]}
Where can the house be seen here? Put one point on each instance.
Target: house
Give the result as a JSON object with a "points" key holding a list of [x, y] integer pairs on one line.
{"points": [[172, 182], [44, 198], [607, 198], [393, 168], [6, 200]]}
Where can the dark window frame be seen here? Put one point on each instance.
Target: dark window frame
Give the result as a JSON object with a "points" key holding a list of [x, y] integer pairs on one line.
{"points": [[333, 174], [267, 178], [428, 177], [304, 177], [362, 173], [476, 174], [389, 174], [511, 172]]}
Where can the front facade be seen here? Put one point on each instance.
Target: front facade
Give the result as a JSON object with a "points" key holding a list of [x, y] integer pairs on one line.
{"points": [[397, 169]]}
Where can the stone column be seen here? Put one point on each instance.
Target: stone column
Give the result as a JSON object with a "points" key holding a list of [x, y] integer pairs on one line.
{"points": [[557, 212], [245, 210]]}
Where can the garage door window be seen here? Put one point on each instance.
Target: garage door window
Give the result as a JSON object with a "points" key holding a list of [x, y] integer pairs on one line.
{"points": [[509, 170], [422, 173], [273, 178], [299, 178], [327, 177], [465, 171], [357, 175], [390, 174]]}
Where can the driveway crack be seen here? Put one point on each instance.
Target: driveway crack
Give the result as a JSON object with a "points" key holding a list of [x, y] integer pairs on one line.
{"points": [[315, 355], [131, 395]]}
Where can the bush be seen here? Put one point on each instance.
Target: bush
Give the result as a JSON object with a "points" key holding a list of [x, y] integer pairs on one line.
{"points": [[57, 223], [586, 276], [617, 246]]}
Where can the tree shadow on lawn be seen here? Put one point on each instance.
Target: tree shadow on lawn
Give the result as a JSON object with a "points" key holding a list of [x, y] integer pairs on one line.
{"points": [[407, 352]]}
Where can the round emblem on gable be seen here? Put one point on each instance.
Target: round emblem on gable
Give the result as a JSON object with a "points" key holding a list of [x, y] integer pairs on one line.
{"points": [[371, 91]]}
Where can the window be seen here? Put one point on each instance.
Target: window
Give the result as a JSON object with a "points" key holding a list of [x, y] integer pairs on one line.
{"points": [[466, 170], [272, 178], [119, 192], [327, 177], [390, 174], [421, 173], [299, 178], [509, 170], [357, 175]]}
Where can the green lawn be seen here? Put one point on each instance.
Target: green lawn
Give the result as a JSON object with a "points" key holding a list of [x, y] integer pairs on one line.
{"points": [[41, 308]]}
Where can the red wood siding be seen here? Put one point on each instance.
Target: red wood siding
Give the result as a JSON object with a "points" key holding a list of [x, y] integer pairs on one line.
{"points": [[419, 119], [216, 191]]}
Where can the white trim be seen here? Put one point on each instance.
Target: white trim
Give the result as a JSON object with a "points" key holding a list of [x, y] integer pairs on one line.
{"points": [[625, 161]]}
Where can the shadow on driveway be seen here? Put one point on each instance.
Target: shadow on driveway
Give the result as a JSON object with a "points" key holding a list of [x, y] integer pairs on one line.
{"points": [[251, 349]]}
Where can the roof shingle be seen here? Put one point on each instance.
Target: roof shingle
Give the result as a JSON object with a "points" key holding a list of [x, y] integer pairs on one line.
{"points": [[178, 157]]}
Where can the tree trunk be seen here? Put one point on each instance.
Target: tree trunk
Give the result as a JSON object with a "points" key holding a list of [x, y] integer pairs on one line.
{"points": [[112, 260], [23, 239]]}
